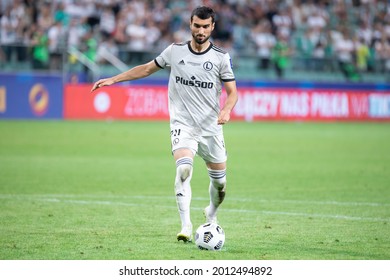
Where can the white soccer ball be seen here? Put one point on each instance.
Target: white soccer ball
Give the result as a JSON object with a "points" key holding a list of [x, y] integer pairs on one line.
{"points": [[210, 236]]}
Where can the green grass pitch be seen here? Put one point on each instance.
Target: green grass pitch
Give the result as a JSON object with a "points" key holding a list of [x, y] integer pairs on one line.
{"points": [[85, 190]]}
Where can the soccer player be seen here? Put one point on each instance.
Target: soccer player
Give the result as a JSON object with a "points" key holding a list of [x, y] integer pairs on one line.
{"points": [[198, 69]]}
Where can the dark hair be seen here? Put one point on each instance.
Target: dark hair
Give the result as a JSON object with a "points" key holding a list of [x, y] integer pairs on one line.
{"points": [[203, 12]]}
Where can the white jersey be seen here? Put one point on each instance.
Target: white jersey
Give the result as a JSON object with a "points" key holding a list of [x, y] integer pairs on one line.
{"points": [[195, 86]]}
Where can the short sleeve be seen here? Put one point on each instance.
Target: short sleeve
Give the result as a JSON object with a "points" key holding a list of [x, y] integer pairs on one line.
{"points": [[164, 59], [227, 73]]}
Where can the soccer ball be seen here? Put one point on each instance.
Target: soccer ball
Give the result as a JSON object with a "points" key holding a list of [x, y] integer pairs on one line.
{"points": [[209, 236]]}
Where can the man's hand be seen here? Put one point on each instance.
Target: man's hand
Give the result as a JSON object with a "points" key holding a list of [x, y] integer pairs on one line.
{"points": [[224, 117], [102, 83]]}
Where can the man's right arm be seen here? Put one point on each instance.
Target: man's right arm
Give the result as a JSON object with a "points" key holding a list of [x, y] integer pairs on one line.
{"points": [[134, 73]]}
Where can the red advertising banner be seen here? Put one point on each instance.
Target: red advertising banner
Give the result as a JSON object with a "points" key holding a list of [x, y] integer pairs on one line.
{"points": [[299, 104], [313, 104], [151, 102], [116, 102]]}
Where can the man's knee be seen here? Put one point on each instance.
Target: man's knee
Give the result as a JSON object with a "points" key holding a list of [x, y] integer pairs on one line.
{"points": [[218, 179], [183, 170]]}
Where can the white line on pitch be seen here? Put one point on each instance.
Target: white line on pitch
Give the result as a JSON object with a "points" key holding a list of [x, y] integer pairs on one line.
{"points": [[315, 202], [263, 212]]}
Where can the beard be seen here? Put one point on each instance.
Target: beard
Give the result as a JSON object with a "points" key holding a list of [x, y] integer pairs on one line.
{"points": [[200, 40]]}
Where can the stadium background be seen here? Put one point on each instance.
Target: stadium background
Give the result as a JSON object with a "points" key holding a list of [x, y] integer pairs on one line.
{"points": [[335, 65], [308, 150]]}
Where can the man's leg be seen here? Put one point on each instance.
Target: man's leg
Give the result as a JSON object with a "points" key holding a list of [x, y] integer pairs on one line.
{"points": [[184, 162], [217, 188]]}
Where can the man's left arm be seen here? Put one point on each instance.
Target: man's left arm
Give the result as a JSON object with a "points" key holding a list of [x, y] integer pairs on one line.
{"points": [[232, 97]]}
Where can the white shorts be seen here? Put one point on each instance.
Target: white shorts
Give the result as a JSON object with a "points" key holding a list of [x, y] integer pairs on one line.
{"points": [[210, 148]]}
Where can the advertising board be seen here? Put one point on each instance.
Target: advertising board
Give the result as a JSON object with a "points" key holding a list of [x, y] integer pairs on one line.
{"points": [[254, 104], [31, 96]]}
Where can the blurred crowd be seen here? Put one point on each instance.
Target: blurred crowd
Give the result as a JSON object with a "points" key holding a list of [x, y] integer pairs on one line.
{"points": [[352, 35]]}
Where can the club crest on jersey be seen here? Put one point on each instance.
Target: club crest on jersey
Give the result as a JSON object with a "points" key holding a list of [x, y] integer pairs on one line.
{"points": [[207, 66]]}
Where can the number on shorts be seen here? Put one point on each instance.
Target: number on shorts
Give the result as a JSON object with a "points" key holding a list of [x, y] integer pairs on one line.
{"points": [[175, 132]]}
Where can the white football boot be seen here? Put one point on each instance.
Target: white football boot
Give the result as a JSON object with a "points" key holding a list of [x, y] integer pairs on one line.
{"points": [[185, 234]]}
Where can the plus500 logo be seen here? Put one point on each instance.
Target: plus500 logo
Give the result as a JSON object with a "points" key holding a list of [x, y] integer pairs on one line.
{"points": [[194, 83]]}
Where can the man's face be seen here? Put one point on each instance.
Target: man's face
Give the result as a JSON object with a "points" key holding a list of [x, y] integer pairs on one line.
{"points": [[201, 29]]}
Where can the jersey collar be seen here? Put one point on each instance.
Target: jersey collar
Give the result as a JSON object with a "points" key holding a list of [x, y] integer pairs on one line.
{"points": [[199, 53]]}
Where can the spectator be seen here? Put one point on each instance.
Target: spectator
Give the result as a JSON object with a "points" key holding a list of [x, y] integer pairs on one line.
{"points": [[182, 34], [240, 34], [345, 49], [160, 13], [377, 32], [137, 34], [283, 22], [329, 55], [281, 54], [45, 17], [316, 21], [107, 21], [297, 14], [78, 27], [89, 47], [382, 49], [56, 34], [153, 34], [106, 46], [225, 18], [365, 32], [119, 32], [308, 7], [14, 26], [79, 9], [264, 42], [304, 48], [40, 48], [60, 14], [9, 24], [362, 54], [319, 55]]}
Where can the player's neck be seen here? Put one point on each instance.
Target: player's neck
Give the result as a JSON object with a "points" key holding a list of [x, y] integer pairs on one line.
{"points": [[200, 47]]}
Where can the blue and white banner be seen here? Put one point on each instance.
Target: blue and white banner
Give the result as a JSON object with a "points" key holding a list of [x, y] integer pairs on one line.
{"points": [[24, 96]]}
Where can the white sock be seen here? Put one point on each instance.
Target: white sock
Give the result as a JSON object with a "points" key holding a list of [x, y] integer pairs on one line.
{"points": [[183, 188], [217, 189]]}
